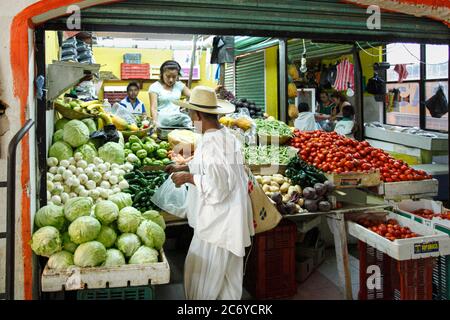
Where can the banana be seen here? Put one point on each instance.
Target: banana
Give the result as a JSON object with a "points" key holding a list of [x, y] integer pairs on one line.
{"points": [[100, 123], [88, 103]]}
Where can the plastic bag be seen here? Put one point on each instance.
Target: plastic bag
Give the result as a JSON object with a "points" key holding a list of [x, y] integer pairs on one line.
{"points": [[174, 119], [122, 112], [437, 104], [108, 134], [375, 85], [171, 199], [249, 135]]}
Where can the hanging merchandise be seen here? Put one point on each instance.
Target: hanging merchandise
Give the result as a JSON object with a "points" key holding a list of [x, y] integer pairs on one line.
{"points": [[223, 50], [345, 76], [402, 72], [392, 100], [437, 104], [376, 85], [303, 67]]}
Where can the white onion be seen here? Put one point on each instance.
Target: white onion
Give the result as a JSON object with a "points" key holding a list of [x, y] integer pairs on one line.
{"points": [[121, 172], [67, 175], [105, 185], [97, 177], [115, 166], [66, 188], [49, 195], [72, 160], [104, 193], [123, 184], [72, 168], [78, 156], [64, 197], [92, 166], [53, 170], [113, 180], [75, 182], [115, 171], [84, 193], [50, 185], [116, 190], [58, 188], [57, 177], [64, 163], [82, 164], [88, 171], [49, 176], [102, 168], [73, 195], [56, 200], [91, 185], [98, 161], [83, 178], [52, 162], [121, 178], [94, 194], [60, 170]]}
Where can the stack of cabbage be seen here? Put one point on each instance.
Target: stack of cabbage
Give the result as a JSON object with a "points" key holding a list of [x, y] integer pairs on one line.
{"points": [[109, 233], [75, 168]]}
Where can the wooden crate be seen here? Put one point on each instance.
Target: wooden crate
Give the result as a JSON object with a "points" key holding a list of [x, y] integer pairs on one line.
{"points": [[77, 278], [355, 179]]}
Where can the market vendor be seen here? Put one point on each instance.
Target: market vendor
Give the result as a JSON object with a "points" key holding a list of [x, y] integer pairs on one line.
{"points": [[340, 100], [306, 120], [218, 205], [346, 125], [131, 101], [165, 91], [326, 106]]}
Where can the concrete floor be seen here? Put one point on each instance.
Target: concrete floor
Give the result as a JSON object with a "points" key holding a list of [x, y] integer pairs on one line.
{"points": [[322, 284]]}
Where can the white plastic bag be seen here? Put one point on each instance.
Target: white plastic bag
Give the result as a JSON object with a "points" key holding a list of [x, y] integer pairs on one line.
{"points": [[122, 112], [171, 199]]}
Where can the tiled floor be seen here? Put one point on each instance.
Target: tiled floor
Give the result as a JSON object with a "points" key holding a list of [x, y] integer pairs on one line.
{"points": [[322, 284]]}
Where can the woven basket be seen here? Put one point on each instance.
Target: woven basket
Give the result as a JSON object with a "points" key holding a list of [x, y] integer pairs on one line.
{"points": [[71, 114]]}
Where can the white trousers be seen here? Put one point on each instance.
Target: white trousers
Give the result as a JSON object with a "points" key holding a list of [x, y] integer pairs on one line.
{"points": [[212, 273]]}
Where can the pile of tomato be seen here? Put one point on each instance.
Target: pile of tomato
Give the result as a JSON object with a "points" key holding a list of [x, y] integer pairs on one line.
{"points": [[332, 152], [425, 213], [390, 229]]}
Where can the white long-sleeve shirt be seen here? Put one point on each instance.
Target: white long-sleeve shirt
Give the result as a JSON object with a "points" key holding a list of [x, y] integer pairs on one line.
{"points": [[218, 206]]}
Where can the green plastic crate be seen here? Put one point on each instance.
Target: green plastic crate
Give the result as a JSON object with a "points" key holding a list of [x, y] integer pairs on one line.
{"points": [[441, 281], [125, 293]]}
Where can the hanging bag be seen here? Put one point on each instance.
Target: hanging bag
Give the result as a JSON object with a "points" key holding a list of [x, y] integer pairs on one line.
{"points": [[375, 85], [437, 104]]}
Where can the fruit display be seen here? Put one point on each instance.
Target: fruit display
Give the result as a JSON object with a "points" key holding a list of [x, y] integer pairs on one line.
{"points": [[333, 153], [93, 107], [142, 185], [286, 196], [264, 155], [389, 229], [430, 214], [146, 152], [242, 123], [254, 110]]}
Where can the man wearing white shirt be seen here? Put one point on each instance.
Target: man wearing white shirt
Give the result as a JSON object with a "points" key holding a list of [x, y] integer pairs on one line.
{"points": [[218, 204], [131, 101]]}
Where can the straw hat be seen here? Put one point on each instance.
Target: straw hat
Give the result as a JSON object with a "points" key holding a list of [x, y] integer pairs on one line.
{"points": [[204, 99]]}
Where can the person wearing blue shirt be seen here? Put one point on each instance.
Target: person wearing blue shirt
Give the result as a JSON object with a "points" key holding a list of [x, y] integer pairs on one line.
{"points": [[131, 101]]}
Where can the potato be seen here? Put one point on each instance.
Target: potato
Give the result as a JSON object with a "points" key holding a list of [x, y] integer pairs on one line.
{"points": [[274, 189], [284, 187], [277, 175], [286, 198], [298, 189], [266, 180], [259, 179], [301, 202], [274, 184], [280, 181], [266, 188], [291, 190]]}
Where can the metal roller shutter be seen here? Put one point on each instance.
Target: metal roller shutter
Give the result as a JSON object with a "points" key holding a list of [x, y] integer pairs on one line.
{"points": [[229, 77], [250, 78]]}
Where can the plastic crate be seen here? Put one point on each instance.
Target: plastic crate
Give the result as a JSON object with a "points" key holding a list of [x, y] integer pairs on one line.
{"points": [[133, 58], [270, 272], [441, 282], [126, 293], [399, 280], [114, 97], [134, 71]]}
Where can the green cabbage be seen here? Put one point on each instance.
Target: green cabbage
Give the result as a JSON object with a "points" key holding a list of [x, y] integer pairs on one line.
{"points": [[106, 211], [151, 234], [129, 220], [78, 207], [61, 123], [60, 260], [112, 152], [50, 215], [60, 150], [88, 151], [154, 216], [121, 199], [76, 133], [90, 254], [68, 245], [46, 241], [114, 258], [128, 243], [107, 236], [144, 255], [84, 229], [90, 124], [58, 135]]}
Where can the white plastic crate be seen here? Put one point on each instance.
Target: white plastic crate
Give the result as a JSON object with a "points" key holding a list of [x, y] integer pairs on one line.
{"points": [[406, 207], [431, 243]]}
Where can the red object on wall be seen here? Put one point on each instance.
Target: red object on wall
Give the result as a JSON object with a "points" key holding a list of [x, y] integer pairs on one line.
{"points": [[114, 97], [270, 271], [130, 71]]}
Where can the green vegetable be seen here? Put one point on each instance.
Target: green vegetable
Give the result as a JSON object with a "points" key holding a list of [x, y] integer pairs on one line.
{"points": [[90, 124], [166, 161], [112, 152], [154, 216], [61, 123], [90, 254], [76, 133], [303, 174], [158, 163], [106, 211], [84, 229], [114, 258], [147, 162], [60, 260], [107, 236], [151, 234], [135, 147], [60, 150], [148, 139], [129, 220], [144, 255], [128, 243], [121, 139], [164, 145], [134, 139], [272, 128], [68, 245], [161, 153], [88, 151], [121, 199], [127, 145], [50, 215], [271, 154], [58, 135], [127, 152], [150, 148], [46, 241], [141, 154], [77, 207]]}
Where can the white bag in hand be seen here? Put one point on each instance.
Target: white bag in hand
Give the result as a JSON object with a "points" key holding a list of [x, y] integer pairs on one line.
{"points": [[171, 199]]}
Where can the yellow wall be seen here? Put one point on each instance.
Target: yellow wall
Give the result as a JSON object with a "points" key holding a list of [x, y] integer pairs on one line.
{"points": [[271, 69], [51, 46]]}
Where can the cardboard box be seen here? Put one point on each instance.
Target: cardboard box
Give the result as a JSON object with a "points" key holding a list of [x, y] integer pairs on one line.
{"points": [[317, 254]]}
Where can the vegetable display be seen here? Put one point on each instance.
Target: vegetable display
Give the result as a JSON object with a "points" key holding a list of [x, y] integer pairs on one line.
{"points": [[260, 155], [142, 186], [147, 152], [430, 214], [389, 229], [333, 153], [272, 128], [254, 110], [303, 174]]}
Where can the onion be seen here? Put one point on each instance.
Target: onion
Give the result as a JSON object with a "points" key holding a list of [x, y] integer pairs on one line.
{"points": [[56, 200], [49, 176], [72, 168], [61, 170], [53, 170], [78, 156], [64, 163], [91, 185], [67, 175], [57, 177], [123, 184], [105, 185], [50, 186], [113, 180], [82, 164], [79, 171], [52, 162]]}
